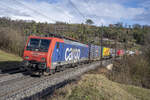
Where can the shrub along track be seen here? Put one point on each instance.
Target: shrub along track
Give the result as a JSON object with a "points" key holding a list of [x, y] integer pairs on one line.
{"points": [[29, 86]]}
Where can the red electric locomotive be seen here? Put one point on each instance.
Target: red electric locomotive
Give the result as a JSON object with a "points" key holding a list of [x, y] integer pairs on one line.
{"points": [[37, 54], [46, 54]]}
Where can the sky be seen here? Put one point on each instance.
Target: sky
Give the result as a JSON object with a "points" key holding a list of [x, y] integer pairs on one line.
{"points": [[77, 11]]}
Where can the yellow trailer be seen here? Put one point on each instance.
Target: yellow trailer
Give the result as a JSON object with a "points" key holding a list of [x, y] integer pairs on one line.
{"points": [[106, 52]]}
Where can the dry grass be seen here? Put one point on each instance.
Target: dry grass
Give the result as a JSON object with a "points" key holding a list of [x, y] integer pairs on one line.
{"points": [[98, 87], [139, 93], [99, 70]]}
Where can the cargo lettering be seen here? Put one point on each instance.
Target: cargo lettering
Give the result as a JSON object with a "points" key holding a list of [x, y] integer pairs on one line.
{"points": [[72, 54]]}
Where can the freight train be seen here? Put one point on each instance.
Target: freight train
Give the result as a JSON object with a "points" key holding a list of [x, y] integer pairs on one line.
{"points": [[49, 54]]}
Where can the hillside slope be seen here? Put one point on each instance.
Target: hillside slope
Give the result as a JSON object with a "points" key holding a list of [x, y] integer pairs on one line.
{"points": [[8, 60], [4, 56], [98, 87]]}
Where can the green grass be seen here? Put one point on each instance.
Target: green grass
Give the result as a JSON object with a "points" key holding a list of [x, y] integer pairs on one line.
{"points": [[4, 56], [8, 60], [98, 87]]}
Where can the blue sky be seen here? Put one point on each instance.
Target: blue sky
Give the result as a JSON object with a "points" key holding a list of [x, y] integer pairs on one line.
{"points": [[77, 11]]}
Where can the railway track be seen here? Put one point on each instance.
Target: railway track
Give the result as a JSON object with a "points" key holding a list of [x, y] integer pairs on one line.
{"points": [[11, 75], [24, 87], [12, 79]]}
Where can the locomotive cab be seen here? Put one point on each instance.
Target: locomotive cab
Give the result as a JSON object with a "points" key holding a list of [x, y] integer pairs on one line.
{"points": [[36, 53]]}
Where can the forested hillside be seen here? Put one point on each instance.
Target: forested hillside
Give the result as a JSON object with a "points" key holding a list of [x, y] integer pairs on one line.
{"points": [[13, 33]]}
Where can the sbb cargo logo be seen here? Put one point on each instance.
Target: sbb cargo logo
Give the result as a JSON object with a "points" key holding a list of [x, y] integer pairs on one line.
{"points": [[72, 54]]}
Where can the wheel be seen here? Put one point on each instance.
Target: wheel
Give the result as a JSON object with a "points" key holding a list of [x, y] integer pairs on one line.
{"points": [[52, 71]]}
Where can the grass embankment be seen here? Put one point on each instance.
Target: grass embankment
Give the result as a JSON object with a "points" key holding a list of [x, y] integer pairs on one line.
{"points": [[98, 87], [4, 56], [8, 60]]}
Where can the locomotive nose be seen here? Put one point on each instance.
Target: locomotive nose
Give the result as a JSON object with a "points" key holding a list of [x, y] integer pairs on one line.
{"points": [[36, 56]]}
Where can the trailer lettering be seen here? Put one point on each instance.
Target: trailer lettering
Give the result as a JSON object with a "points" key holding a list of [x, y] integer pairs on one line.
{"points": [[72, 54]]}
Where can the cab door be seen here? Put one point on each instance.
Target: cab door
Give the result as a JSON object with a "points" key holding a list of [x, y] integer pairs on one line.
{"points": [[59, 49]]}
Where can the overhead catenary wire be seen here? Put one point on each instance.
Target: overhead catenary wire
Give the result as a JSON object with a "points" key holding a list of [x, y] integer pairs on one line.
{"points": [[59, 8], [88, 5], [35, 11], [39, 13], [75, 7]]}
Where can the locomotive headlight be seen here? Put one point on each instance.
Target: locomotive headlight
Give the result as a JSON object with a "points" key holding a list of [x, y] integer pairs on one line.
{"points": [[43, 59], [26, 57]]}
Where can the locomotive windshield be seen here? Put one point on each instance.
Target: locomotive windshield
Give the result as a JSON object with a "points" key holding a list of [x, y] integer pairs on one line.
{"points": [[41, 45]]}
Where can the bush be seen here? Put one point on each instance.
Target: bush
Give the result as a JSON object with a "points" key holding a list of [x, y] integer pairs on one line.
{"points": [[11, 40], [133, 70]]}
